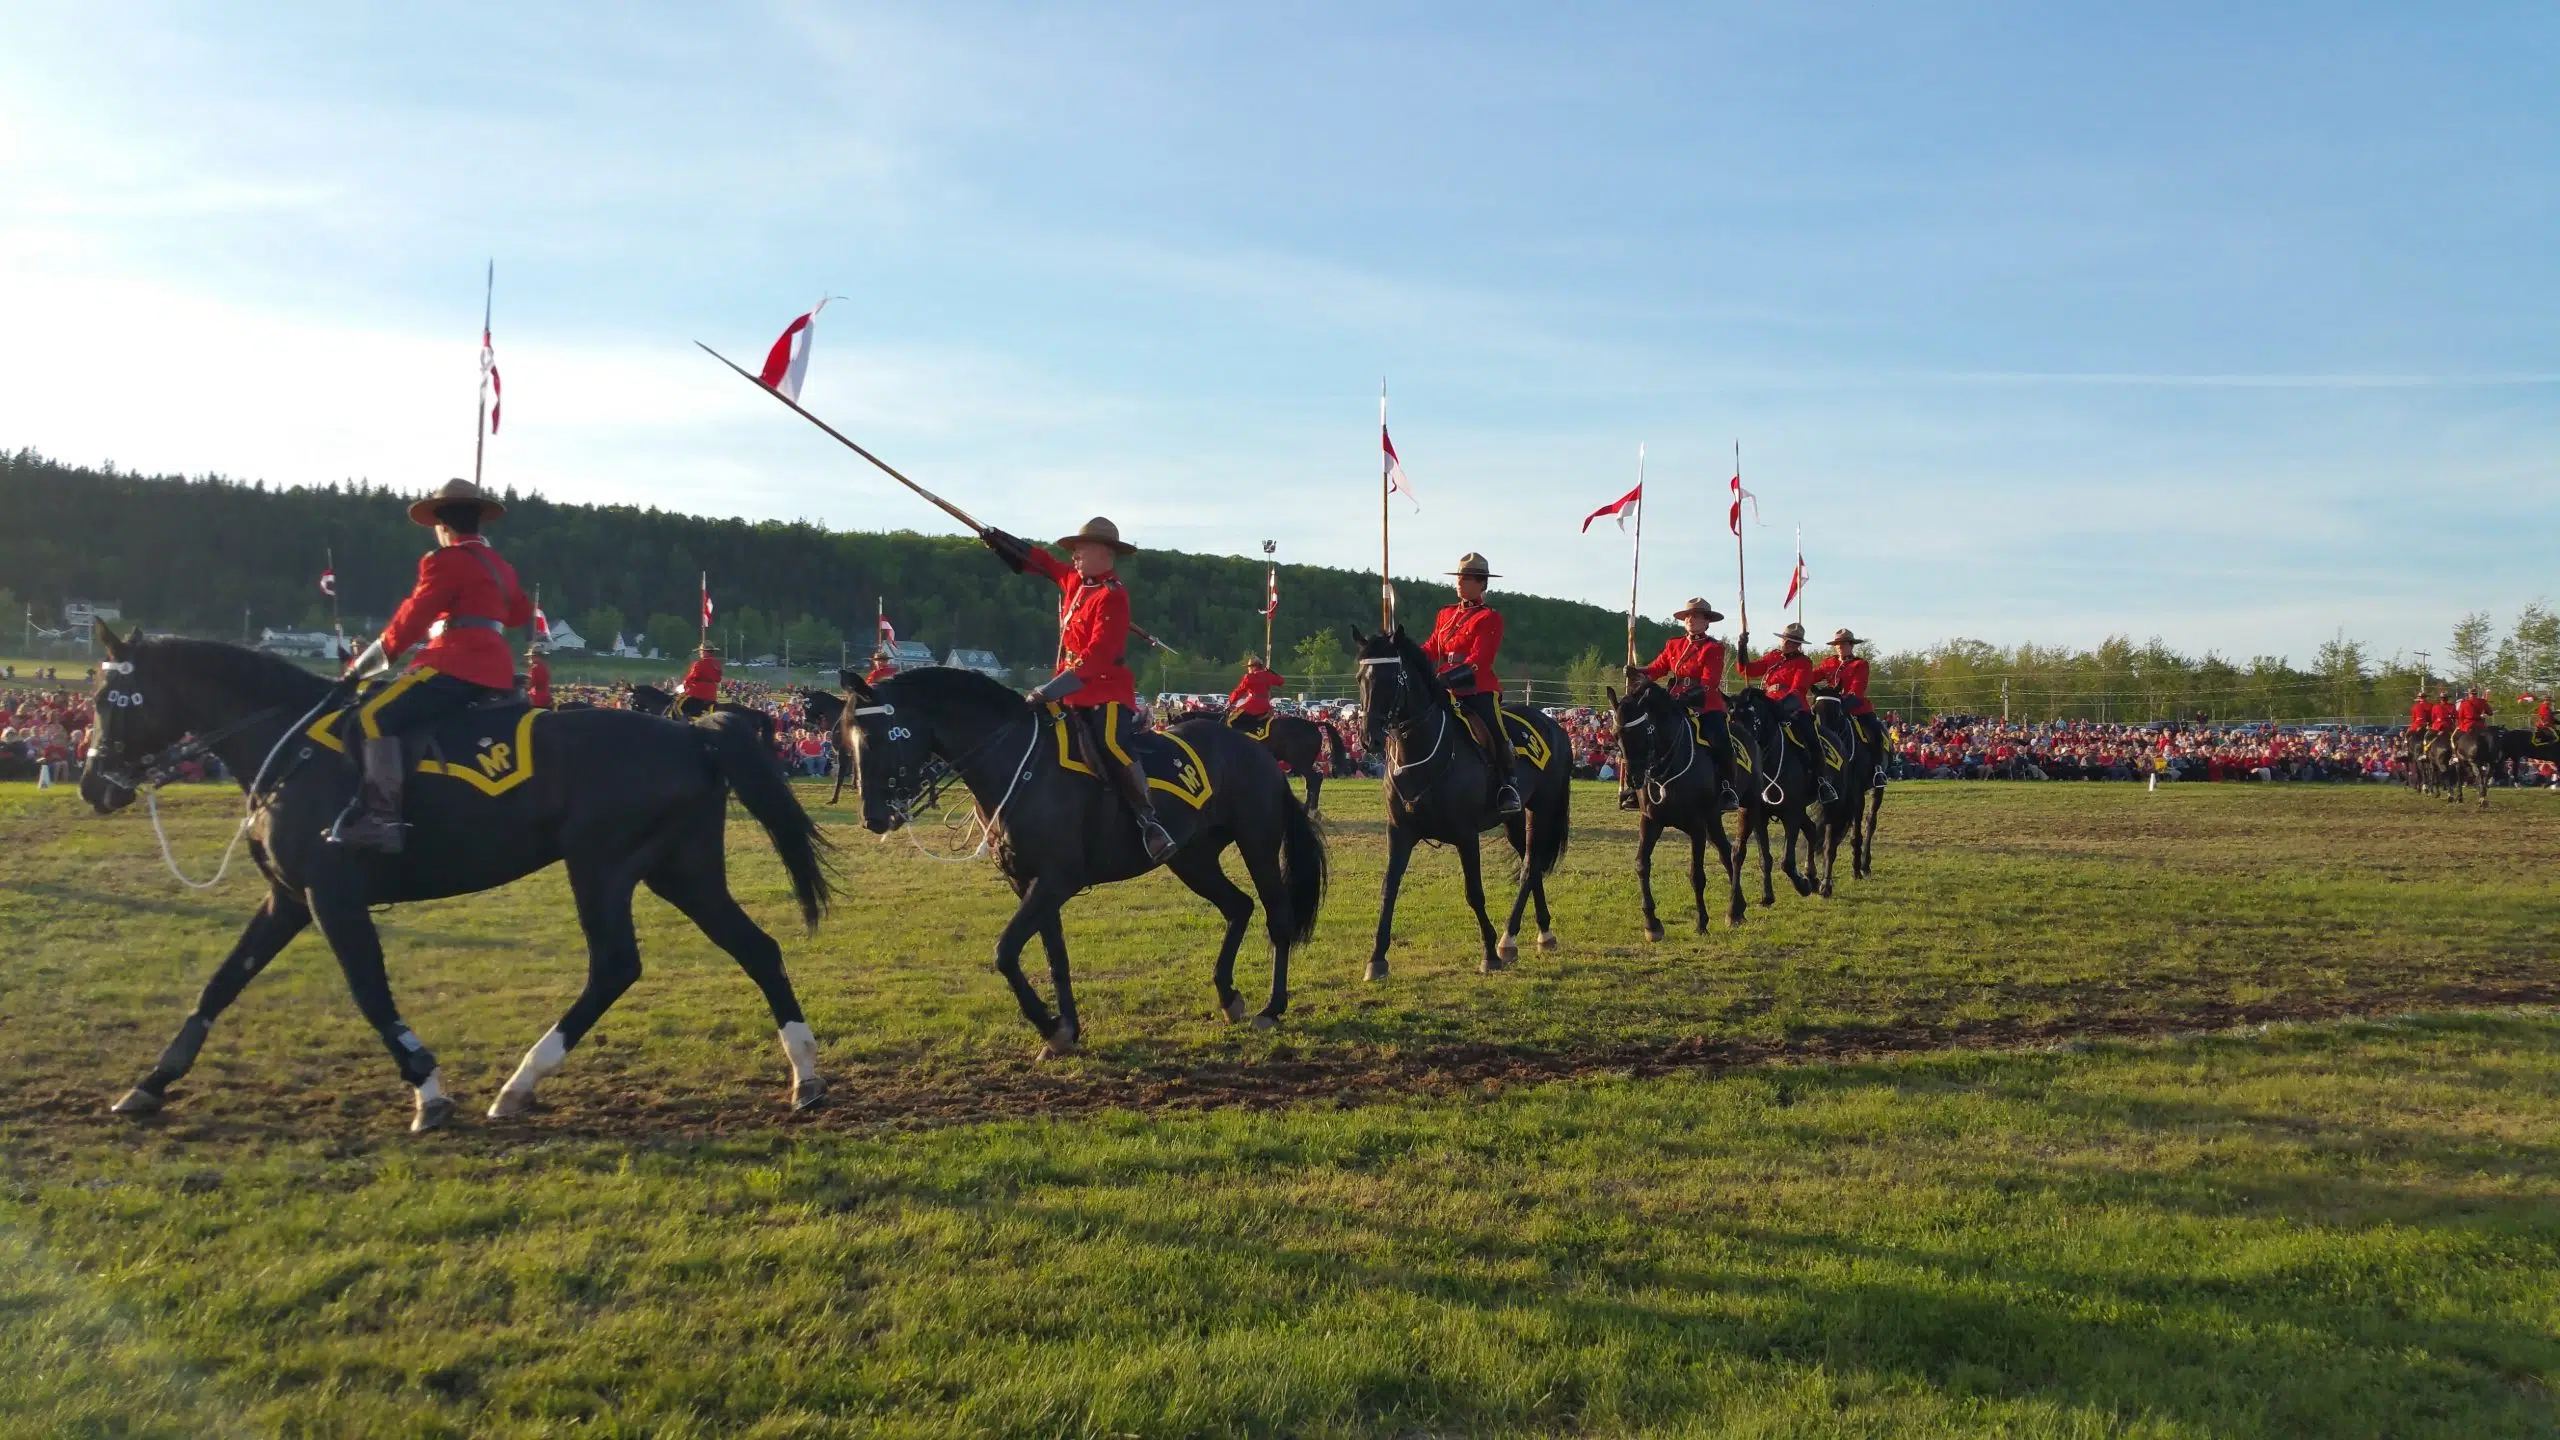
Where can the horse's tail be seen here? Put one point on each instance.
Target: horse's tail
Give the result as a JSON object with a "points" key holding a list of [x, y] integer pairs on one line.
{"points": [[1340, 756], [737, 751], [1302, 865]]}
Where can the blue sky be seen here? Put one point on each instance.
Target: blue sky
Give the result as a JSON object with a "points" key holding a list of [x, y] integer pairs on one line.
{"points": [[2233, 325]]}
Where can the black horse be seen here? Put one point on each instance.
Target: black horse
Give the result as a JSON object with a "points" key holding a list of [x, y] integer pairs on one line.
{"points": [[1857, 797], [1779, 785], [625, 799], [1058, 833], [1300, 743], [1440, 787], [2473, 758], [2515, 745], [821, 710], [1680, 783]]}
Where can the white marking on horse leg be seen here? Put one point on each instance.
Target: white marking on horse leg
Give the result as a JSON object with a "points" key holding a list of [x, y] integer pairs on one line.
{"points": [[516, 1097], [434, 1106], [802, 1048]]}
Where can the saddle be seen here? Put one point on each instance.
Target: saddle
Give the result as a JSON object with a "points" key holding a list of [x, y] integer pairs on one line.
{"points": [[488, 746], [1528, 743], [1172, 766], [1257, 727]]}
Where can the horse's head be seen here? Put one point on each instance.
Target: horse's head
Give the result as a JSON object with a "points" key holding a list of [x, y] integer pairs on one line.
{"points": [[820, 710], [137, 718], [892, 753], [1395, 682], [1647, 720]]}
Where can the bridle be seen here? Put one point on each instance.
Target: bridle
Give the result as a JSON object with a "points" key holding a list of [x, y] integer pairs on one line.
{"points": [[905, 801], [1660, 787], [1391, 721], [156, 768]]}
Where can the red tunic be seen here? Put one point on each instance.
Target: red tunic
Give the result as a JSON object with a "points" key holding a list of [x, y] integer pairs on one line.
{"points": [[454, 584], [701, 680], [537, 684], [1700, 659], [879, 672], [1468, 634], [1093, 632], [1849, 678], [2468, 715], [2420, 714], [1780, 673], [2542, 716], [2440, 717], [1252, 695]]}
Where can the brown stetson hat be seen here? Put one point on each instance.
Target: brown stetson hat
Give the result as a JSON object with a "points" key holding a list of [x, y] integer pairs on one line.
{"points": [[1844, 637], [1698, 606], [456, 492], [1794, 631], [1474, 564], [1102, 531]]}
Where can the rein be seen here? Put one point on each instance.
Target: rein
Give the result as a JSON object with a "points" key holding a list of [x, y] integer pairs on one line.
{"points": [[1400, 718], [941, 772]]}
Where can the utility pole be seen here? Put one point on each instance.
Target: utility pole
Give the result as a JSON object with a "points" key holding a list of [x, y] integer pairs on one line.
{"points": [[2004, 699]]}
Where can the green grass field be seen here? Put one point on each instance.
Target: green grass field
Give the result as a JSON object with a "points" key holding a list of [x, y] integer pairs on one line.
{"points": [[1945, 1155]]}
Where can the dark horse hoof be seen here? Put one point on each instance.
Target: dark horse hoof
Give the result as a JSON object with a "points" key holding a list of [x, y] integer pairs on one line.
{"points": [[1062, 1043], [1233, 1006], [138, 1101], [432, 1114], [808, 1094], [1653, 930], [1377, 970]]}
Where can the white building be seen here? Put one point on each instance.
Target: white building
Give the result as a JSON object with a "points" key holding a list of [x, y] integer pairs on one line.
{"points": [[563, 637], [312, 644]]}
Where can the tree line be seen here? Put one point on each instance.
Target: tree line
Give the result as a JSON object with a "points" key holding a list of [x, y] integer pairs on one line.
{"points": [[218, 557]]}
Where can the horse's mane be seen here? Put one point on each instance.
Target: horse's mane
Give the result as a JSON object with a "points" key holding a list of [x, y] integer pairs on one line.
{"points": [[234, 669], [951, 685]]}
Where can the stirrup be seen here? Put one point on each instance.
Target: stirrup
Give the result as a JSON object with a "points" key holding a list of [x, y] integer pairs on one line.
{"points": [[1628, 800], [368, 831], [1507, 799], [1159, 841]]}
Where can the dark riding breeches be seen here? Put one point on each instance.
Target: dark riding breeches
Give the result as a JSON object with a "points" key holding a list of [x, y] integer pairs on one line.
{"points": [[418, 697], [1485, 709], [689, 708]]}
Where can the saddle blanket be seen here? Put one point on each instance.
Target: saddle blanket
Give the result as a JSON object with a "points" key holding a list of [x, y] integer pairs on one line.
{"points": [[1527, 741], [1171, 764], [1257, 727], [488, 747]]}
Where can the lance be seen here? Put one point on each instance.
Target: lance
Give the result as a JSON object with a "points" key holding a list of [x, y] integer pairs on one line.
{"points": [[885, 468], [1635, 566], [329, 560], [480, 436], [1741, 581]]}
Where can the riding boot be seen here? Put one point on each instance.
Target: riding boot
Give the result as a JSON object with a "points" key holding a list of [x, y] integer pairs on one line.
{"points": [[1133, 783], [1506, 767], [377, 827]]}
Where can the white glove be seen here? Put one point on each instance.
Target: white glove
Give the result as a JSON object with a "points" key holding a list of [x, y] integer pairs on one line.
{"points": [[370, 662]]}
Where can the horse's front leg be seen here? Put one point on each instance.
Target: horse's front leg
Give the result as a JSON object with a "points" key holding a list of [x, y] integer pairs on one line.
{"points": [[270, 929], [1039, 905], [1399, 855], [1069, 1036], [1832, 829], [1759, 825], [1698, 873], [1648, 830], [337, 901]]}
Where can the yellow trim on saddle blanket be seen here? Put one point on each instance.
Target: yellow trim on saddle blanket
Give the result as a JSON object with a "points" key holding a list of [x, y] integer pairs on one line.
{"points": [[498, 767], [1188, 784], [1527, 740], [1264, 733]]}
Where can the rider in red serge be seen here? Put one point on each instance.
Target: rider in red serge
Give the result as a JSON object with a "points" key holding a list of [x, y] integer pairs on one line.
{"points": [[1691, 667], [1844, 672], [2440, 714], [880, 669], [1464, 643], [1093, 644], [464, 600], [2421, 714], [700, 688], [537, 679], [1785, 675], [2472, 712], [1251, 699]]}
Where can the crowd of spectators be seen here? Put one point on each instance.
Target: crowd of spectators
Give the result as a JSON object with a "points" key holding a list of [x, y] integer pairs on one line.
{"points": [[44, 725]]}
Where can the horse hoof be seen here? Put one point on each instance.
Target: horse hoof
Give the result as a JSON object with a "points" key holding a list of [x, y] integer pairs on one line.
{"points": [[1234, 1006], [510, 1104], [1266, 1022], [1547, 940], [808, 1094], [137, 1101], [1653, 931], [1377, 970], [1062, 1044], [432, 1114], [1508, 950]]}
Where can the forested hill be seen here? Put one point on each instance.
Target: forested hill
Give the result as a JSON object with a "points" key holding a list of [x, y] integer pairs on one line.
{"points": [[193, 554]]}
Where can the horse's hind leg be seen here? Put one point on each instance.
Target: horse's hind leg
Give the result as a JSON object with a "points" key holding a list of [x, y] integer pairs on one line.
{"points": [[603, 895], [348, 926], [1053, 942], [1471, 865], [702, 893], [1315, 790], [1759, 825], [1199, 869], [1263, 865], [269, 930], [1698, 874]]}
